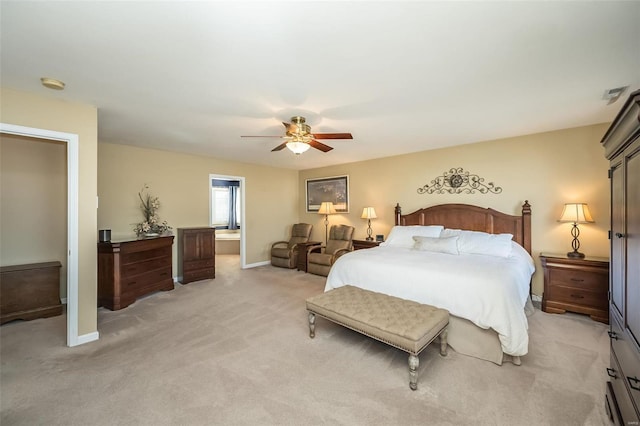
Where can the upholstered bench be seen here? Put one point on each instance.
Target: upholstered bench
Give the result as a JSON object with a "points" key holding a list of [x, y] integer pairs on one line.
{"points": [[403, 324]]}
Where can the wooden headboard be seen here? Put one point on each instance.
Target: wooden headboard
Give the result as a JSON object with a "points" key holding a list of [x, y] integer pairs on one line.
{"points": [[473, 218]]}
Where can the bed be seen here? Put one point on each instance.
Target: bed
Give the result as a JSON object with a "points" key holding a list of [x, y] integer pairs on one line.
{"points": [[487, 291]]}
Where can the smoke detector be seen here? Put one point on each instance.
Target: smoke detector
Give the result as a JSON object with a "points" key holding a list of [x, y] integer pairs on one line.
{"points": [[52, 83]]}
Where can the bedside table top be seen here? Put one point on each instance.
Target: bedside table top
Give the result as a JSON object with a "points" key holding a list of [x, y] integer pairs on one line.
{"points": [[565, 257]]}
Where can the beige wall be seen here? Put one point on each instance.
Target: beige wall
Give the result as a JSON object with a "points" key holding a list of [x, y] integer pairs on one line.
{"points": [[182, 184], [33, 207], [30, 110], [548, 169]]}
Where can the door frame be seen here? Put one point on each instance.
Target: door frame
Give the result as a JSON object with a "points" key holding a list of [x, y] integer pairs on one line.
{"points": [[243, 222], [72, 142]]}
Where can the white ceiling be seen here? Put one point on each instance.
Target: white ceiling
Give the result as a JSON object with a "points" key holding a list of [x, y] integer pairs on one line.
{"points": [[400, 76]]}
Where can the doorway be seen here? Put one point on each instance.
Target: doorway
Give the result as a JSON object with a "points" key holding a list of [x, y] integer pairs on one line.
{"points": [[240, 200], [72, 144]]}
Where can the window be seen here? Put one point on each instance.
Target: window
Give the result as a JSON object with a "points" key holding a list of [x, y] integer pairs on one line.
{"points": [[225, 204]]}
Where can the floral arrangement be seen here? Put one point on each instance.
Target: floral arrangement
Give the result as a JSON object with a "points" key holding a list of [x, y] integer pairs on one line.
{"points": [[149, 206]]}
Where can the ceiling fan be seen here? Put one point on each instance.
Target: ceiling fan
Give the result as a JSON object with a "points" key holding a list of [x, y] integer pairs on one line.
{"points": [[298, 137]]}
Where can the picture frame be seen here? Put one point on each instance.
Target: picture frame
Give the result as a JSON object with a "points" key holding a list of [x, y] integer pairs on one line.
{"points": [[334, 189]]}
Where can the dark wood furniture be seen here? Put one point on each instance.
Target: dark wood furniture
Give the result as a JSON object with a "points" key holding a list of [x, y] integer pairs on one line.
{"points": [[302, 248], [622, 148], [576, 285], [130, 269], [30, 291], [365, 244], [196, 254]]}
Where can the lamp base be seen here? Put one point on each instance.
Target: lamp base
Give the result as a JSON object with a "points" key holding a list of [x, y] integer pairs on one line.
{"points": [[575, 254], [369, 238]]}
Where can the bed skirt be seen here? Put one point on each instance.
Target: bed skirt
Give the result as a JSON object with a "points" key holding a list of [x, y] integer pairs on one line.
{"points": [[468, 339]]}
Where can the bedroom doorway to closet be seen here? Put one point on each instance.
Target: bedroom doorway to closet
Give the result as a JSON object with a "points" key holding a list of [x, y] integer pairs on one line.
{"points": [[71, 142], [227, 214]]}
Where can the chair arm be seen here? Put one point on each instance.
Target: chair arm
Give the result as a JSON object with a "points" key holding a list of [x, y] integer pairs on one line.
{"points": [[339, 253], [318, 248], [286, 243]]}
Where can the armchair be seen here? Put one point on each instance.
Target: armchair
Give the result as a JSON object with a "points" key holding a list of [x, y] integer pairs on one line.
{"points": [[284, 253], [321, 258]]}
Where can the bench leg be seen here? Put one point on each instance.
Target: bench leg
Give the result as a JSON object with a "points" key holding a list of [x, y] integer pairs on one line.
{"points": [[312, 325], [443, 343], [414, 362]]}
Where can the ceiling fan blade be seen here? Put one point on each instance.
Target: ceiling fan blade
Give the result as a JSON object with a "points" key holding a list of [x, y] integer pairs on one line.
{"points": [[279, 147], [318, 145], [252, 136], [332, 135]]}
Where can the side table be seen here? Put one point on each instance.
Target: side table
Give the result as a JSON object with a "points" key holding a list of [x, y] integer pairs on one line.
{"points": [[364, 244], [576, 285], [302, 248]]}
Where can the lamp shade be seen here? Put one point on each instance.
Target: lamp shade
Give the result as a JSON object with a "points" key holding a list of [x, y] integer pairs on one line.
{"points": [[327, 208], [298, 147], [368, 213], [576, 213]]}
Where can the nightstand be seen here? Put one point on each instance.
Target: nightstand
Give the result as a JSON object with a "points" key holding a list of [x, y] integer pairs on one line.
{"points": [[576, 285], [301, 248], [364, 244]]}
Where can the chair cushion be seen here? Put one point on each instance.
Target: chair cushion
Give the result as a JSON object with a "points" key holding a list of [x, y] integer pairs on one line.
{"points": [[281, 252], [301, 230], [341, 232], [335, 245], [320, 258]]}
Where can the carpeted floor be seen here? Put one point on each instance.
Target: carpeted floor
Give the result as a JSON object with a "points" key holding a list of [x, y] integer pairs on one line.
{"points": [[236, 351]]}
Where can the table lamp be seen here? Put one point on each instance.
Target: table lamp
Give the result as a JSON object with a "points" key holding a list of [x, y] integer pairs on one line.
{"points": [[576, 213]]}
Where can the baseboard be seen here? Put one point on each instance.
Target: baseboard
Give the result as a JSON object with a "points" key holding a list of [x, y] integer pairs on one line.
{"points": [[63, 300], [536, 298], [255, 265], [86, 338]]}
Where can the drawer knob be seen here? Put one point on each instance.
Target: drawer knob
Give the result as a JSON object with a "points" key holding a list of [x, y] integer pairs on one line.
{"points": [[619, 235], [577, 296], [612, 373], [634, 383], [577, 279], [612, 335]]}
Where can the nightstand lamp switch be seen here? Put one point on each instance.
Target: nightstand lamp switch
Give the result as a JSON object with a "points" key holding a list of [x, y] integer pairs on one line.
{"points": [[576, 213], [369, 213]]}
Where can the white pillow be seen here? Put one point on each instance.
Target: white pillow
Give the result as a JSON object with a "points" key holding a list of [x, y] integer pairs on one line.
{"points": [[402, 236], [448, 245], [475, 242]]}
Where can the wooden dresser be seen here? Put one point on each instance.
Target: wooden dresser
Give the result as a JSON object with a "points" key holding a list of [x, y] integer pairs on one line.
{"points": [[196, 254], [130, 269], [576, 285], [30, 291], [622, 148]]}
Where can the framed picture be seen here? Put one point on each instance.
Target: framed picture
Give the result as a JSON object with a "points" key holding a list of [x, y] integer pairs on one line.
{"points": [[334, 189]]}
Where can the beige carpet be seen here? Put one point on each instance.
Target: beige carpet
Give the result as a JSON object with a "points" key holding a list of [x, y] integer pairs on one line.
{"points": [[236, 351]]}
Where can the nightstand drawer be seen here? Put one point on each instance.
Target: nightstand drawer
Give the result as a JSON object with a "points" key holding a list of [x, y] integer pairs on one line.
{"points": [[579, 279], [578, 296]]}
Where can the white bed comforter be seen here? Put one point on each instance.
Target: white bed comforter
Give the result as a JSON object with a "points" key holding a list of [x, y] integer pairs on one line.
{"points": [[489, 291]]}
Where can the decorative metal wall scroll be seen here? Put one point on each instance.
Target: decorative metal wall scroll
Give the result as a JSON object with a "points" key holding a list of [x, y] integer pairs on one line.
{"points": [[458, 181]]}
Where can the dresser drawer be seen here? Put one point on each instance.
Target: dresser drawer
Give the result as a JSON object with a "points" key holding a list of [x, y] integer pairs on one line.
{"points": [[149, 279], [131, 269], [623, 406], [201, 274], [586, 280], [628, 357], [578, 296], [199, 264], [138, 256]]}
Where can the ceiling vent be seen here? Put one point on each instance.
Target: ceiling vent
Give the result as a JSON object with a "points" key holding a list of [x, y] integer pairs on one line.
{"points": [[612, 95]]}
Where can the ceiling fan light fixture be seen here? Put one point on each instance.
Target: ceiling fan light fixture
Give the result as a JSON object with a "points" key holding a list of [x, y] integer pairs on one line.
{"points": [[298, 147]]}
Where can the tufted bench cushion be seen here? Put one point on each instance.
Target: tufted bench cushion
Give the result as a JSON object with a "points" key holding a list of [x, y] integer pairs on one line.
{"points": [[401, 323]]}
